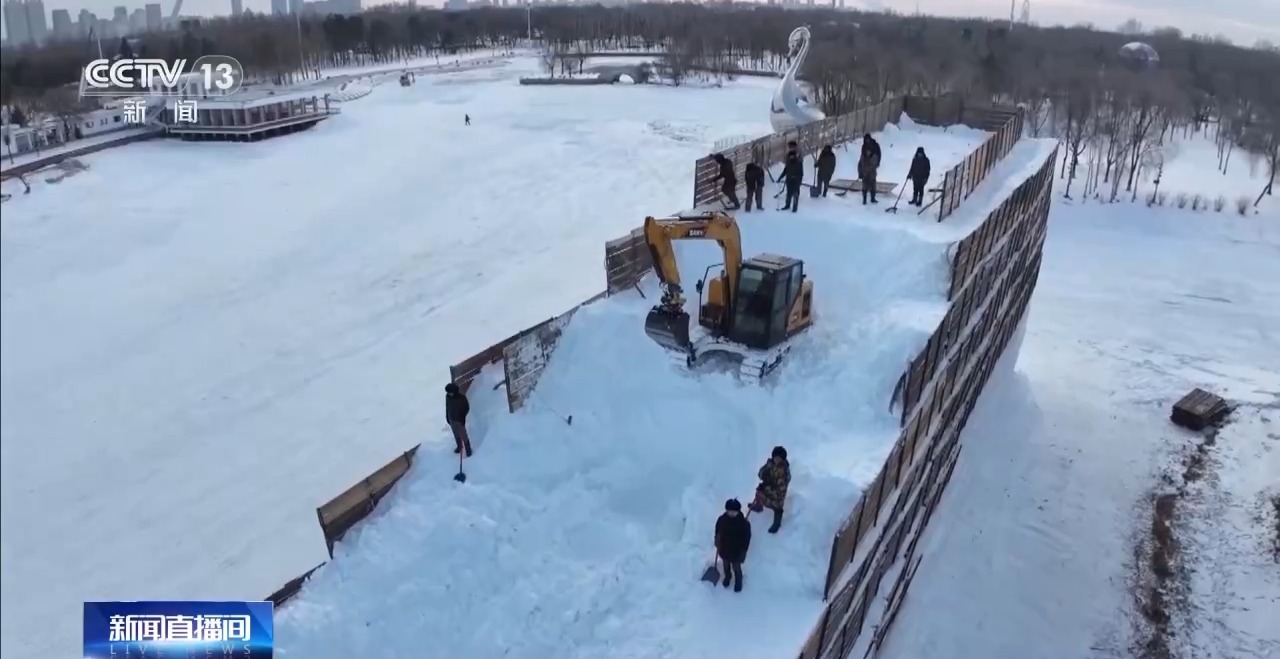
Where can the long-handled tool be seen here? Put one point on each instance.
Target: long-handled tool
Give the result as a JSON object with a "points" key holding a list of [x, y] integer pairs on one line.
{"points": [[712, 573], [462, 476], [894, 208]]}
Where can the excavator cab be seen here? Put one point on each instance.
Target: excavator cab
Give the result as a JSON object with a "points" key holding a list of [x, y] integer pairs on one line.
{"points": [[774, 303]]}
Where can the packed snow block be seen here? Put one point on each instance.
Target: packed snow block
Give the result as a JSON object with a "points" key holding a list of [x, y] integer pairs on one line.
{"points": [[626, 260], [294, 585], [346, 510], [1199, 409], [524, 359]]}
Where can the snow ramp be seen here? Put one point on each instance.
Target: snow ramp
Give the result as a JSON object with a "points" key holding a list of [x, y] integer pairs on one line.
{"points": [[587, 515]]}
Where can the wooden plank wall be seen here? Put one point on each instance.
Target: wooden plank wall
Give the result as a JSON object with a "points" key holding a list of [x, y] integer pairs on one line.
{"points": [[525, 358], [961, 180], [626, 260], [941, 386], [346, 510], [771, 149], [293, 587]]}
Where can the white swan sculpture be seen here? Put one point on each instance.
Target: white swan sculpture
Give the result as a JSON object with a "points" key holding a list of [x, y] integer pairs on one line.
{"points": [[791, 106]]}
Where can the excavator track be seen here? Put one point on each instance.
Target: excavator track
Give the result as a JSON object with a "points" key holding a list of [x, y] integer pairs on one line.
{"points": [[709, 354]]}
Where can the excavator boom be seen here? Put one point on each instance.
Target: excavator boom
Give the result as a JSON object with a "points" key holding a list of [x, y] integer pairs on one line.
{"points": [[668, 322]]}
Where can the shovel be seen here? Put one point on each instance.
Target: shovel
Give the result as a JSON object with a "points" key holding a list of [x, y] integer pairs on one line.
{"points": [[712, 574], [462, 476], [894, 208]]}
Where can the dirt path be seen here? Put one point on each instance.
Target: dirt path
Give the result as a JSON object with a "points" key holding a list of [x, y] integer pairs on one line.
{"points": [[1206, 574]]}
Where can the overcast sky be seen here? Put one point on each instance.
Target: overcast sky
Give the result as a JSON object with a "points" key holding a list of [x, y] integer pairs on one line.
{"points": [[1244, 21]]}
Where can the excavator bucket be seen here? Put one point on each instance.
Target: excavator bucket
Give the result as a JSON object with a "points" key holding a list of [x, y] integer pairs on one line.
{"points": [[670, 329]]}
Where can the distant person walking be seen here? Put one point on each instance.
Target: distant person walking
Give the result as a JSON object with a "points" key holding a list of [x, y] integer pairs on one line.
{"points": [[467, 119], [919, 175], [456, 408]]}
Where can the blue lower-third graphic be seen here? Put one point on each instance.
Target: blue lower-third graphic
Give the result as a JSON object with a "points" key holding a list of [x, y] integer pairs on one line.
{"points": [[178, 630]]}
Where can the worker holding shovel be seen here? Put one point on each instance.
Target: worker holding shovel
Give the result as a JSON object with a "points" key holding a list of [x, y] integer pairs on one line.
{"points": [[775, 478], [733, 539], [456, 409]]}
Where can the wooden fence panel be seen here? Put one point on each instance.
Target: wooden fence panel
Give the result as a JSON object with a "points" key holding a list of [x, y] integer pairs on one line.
{"points": [[291, 588], [626, 260], [810, 138], [870, 506], [837, 611], [344, 511], [466, 370], [977, 165], [525, 358], [845, 544]]}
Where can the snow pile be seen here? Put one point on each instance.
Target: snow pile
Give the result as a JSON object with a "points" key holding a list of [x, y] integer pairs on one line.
{"points": [[586, 540]]}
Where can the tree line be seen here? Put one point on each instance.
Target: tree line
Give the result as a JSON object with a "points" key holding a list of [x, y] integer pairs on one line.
{"points": [[1074, 80]]}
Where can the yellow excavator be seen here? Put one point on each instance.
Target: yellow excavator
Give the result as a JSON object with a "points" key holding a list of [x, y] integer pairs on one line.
{"points": [[750, 311]]}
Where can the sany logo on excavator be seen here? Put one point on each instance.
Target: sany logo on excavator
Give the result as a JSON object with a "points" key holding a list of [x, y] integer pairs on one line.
{"points": [[697, 233]]}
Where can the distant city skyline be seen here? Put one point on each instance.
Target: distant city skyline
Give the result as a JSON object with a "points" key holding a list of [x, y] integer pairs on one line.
{"points": [[1243, 21]]}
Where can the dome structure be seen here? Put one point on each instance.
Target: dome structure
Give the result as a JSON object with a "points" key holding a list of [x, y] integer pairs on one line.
{"points": [[1139, 55]]}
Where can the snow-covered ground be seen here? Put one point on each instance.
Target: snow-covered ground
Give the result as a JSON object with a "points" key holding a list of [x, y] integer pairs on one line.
{"points": [[586, 540], [1042, 545], [191, 363], [202, 342]]}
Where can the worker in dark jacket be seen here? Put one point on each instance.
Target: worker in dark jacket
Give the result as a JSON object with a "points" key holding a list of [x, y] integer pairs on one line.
{"points": [[728, 181], [456, 408], [733, 539], [826, 168], [793, 178], [919, 175], [775, 478], [868, 166], [754, 176]]}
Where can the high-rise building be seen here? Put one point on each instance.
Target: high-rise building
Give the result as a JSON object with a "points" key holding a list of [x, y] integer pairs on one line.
{"points": [[237, 7], [15, 22], [63, 28], [38, 21], [26, 22], [85, 22], [295, 6], [279, 7], [137, 20], [154, 17], [119, 22]]}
